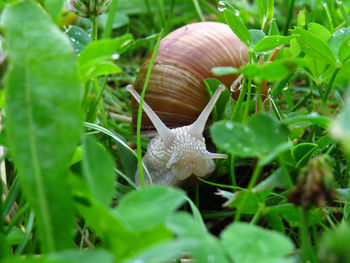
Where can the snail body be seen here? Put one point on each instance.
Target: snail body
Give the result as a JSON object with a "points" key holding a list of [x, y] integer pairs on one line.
{"points": [[175, 154], [177, 102]]}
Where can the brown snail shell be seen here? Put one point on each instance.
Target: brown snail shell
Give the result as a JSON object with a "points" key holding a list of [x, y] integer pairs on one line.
{"points": [[176, 91]]}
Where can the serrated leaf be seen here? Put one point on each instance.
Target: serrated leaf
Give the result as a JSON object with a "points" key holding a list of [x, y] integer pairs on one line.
{"points": [[43, 116], [238, 27]]}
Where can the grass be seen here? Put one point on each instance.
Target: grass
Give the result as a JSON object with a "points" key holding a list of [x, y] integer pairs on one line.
{"points": [[285, 184]]}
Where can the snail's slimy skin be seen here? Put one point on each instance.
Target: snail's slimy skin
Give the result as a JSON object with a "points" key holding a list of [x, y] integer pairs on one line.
{"points": [[176, 154], [187, 154]]}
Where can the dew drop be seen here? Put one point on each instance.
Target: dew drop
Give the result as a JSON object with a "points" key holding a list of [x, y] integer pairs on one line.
{"points": [[72, 39], [229, 125], [246, 149], [115, 56], [286, 88], [342, 31], [236, 12], [221, 6]]}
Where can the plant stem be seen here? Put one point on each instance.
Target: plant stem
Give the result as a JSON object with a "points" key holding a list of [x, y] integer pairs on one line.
{"points": [[247, 103], [330, 20], [251, 184], [307, 253], [139, 112], [232, 170], [330, 85], [241, 96], [94, 29], [110, 19]]}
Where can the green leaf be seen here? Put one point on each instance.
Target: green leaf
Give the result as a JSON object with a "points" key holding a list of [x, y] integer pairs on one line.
{"points": [[237, 25], [256, 35], [319, 31], [313, 46], [99, 52], [187, 229], [344, 50], [303, 152], [98, 168], [54, 7], [43, 117], [86, 256], [268, 246], [149, 207], [164, 251], [270, 42], [79, 38], [103, 68], [248, 201], [260, 135], [337, 38]]}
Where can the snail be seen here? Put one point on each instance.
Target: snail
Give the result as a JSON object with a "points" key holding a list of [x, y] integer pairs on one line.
{"points": [[177, 102]]}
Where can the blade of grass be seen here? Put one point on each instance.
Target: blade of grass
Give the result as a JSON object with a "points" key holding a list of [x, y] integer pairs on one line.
{"points": [[111, 14], [198, 10], [139, 113]]}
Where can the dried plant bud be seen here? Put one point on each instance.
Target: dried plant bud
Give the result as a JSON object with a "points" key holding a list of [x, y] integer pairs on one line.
{"points": [[88, 8], [314, 185]]}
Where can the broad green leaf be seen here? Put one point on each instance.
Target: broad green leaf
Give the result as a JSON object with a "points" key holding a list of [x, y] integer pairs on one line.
{"points": [[312, 118], [291, 214], [43, 117], [86, 256], [164, 251], [313, 46], [270, 42], [337, 38], [98, 169], [256, 35], [103, 68], [260, 135], [248, 201], [187, 228], [303, 152], [4, 248], [149, 207], [319, 31], [54, 7], [99, 52], [246, 243], [276, 70], [344, 50], [237, 25], [79, 38]]}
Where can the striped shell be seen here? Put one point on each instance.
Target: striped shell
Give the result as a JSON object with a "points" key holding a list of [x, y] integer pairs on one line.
{"points": [[176, 91]]}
